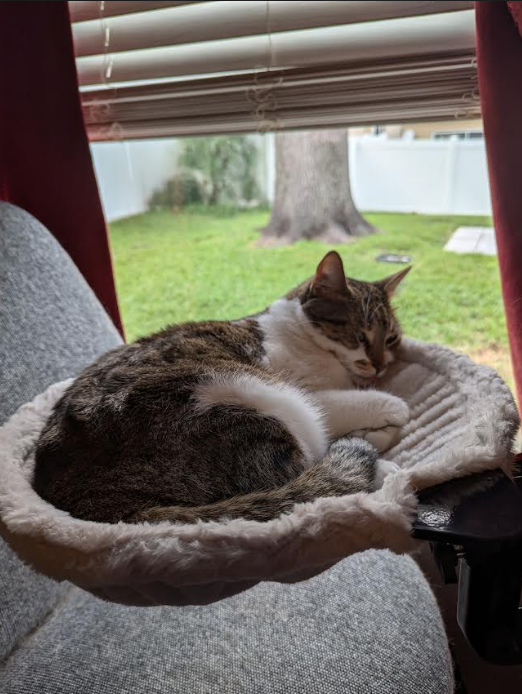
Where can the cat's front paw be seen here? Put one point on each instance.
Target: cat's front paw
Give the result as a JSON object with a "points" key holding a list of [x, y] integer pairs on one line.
{"points": [[380, 409], [395, 411]]}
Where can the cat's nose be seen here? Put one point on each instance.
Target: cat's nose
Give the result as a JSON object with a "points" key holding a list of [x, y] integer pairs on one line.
{"points": [[365, 368], [379, 365]]}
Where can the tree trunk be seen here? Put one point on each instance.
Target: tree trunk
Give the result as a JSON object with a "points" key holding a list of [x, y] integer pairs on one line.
{"points": [[313, 198]]}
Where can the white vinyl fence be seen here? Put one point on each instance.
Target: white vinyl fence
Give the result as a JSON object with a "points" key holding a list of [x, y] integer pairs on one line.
{"points": [[423, 176], [129, 172]]}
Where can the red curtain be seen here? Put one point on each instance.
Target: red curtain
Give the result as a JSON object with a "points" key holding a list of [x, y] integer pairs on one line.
{"points": [[45, 162], [499, 53]]}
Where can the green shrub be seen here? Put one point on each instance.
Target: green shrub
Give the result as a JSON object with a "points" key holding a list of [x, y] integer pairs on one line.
{"points": [[181, 190], [227, 165]]}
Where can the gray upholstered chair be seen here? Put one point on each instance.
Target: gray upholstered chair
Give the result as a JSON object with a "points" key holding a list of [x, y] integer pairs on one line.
{"points": [[369, 625]]}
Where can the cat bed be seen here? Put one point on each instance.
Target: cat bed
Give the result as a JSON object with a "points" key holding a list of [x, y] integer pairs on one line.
{"points": [[463, 420]]}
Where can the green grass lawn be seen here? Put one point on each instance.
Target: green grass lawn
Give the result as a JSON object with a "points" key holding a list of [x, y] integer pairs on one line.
{"points": [[194, 266]]}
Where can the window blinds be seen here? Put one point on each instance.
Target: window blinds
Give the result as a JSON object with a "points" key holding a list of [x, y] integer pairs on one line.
{"points": [[162, 69]]}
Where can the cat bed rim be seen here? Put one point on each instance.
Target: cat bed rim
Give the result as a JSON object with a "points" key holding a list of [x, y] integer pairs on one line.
{"points": [[180, 564]]}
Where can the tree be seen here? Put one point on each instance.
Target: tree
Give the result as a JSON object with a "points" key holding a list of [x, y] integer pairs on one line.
{"points": [[313, 199]]}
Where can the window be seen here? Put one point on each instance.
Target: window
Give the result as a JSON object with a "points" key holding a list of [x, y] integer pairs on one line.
{"points": [[458, 135]]}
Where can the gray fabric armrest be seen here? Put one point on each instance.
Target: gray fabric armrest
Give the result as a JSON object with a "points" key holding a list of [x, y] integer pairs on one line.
{"points": [[52, 326]]}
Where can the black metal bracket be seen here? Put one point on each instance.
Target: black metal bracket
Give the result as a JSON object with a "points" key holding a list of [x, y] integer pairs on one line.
{"points": [[475, 525]]}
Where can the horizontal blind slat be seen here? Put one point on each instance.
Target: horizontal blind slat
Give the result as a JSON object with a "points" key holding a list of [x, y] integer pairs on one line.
{"points": [[434, 87], [348, 43], [81, 11], [400, 113], [225, 19]]}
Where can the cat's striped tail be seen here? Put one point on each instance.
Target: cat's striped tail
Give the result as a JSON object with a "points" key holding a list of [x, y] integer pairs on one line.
{"points": [[349, 466]]}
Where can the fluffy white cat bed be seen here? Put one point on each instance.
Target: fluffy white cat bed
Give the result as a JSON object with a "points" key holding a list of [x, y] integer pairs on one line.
{"points": [[463, 421]]}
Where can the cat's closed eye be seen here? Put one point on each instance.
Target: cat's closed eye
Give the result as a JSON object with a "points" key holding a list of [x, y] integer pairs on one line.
{"points": [[335, 320], [391, 340]]}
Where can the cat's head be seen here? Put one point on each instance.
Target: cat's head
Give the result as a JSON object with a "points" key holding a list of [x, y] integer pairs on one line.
{"points": [[354, 319]]}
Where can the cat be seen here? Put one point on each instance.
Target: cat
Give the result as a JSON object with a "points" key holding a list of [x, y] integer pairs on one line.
{"points": [[228, 419]]}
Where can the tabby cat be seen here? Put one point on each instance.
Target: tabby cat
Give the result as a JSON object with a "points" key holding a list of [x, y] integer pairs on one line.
{"points": [[230, 419]]}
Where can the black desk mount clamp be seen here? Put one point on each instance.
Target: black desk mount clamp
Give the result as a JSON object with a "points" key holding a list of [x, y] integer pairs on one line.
{"points": [[474, 526]]}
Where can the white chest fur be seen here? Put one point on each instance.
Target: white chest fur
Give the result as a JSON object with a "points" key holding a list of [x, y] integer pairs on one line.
{"points": [[294, 347]]}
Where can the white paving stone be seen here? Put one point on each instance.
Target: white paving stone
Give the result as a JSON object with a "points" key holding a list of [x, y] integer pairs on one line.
{"points": [[479, 240]]}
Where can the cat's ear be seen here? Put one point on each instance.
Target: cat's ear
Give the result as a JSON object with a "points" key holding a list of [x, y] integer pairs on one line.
{"points": [[329, 277], [390, 284]]}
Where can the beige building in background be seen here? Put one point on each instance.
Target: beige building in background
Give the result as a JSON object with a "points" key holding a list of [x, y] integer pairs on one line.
{"points": [[425, 130]]}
